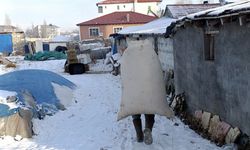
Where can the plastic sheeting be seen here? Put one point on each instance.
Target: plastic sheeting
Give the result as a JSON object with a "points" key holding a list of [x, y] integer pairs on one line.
{"points": [[35, 85], [47, 55]]}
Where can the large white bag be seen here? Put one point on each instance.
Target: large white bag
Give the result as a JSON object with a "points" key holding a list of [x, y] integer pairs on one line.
{"points": [[143, 90]]}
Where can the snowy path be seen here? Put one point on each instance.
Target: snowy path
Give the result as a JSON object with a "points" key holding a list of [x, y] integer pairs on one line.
{"points": [[90, 122]]}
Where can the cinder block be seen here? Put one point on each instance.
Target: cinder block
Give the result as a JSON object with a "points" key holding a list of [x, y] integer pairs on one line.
{"points": [[221, 131], [206, 116], [232, 135], [213, 126]]}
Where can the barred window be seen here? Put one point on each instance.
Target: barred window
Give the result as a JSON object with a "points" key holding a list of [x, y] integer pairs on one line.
{"points": [[116, 30], [94, 31]]}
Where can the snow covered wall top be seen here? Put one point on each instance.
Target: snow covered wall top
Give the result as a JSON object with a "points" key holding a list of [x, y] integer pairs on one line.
{"points": [[232, 9], [37, 82], [155, 27]]}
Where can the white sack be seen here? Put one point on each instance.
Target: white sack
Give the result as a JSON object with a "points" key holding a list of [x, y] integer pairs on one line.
{"points": [[143, 90]]}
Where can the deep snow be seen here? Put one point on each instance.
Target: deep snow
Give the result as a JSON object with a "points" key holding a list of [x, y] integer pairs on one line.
{"points": [[90, 123]]}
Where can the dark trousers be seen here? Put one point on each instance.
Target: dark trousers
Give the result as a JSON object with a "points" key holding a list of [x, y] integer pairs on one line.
{"points": [[149, 120]]}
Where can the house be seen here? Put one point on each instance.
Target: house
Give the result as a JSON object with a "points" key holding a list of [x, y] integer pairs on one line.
{"points": [[8, 28], [211, 62], [111, 23], [46, 31], [146, 7]]}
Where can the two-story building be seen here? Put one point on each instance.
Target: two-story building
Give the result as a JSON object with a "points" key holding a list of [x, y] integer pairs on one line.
{"points": [[47, 31], [147, 7]]}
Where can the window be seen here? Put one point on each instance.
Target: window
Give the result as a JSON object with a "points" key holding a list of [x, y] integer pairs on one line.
{"points": [[209, 46], [124, 6], [117, 29], [94, 32], [100, 9], [118, 7]]}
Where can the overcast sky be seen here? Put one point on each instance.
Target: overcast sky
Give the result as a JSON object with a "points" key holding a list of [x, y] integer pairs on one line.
{"points": [[63, 13]]}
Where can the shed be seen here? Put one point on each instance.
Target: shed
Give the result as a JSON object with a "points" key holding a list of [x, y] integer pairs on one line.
{"points": [[12, 41], [211, 59]]}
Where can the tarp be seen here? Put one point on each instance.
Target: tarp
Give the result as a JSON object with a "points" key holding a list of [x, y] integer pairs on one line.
{"points": [[143, 90], [35, 85], [36, 94], [46, 55]]}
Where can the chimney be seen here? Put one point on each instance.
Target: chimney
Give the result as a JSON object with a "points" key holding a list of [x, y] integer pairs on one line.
{"points": [[128, 18]]}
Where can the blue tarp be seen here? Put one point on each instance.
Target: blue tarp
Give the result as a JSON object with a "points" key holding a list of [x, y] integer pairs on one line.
{"points": [[6, 111], [38, 83]]}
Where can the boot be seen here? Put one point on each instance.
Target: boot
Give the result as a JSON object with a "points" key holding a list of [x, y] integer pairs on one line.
{"points": [[149, 123], [148, 139], [138, 128]]}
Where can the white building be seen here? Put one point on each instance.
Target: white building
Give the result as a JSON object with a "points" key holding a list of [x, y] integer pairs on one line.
{"points": [[147, 7], [47, 31]]}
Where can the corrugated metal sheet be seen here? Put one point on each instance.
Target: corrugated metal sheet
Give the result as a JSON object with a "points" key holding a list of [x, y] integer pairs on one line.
{"points": [[6, 44], [180, 10]]}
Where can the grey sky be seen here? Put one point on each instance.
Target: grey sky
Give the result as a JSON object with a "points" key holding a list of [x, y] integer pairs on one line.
{"points": [[64, 13]]}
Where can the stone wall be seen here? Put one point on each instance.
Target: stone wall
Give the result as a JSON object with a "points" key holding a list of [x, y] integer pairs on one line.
{"points": [[222, 85]]}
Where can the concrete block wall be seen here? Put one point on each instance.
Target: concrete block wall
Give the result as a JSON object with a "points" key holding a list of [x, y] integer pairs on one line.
{"points": [[220, 86]]}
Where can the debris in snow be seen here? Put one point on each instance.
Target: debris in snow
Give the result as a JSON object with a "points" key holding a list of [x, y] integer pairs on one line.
{"points": [[178, 104], [18, 138]]}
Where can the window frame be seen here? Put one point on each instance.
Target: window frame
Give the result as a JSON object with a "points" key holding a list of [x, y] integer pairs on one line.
{"points": [[100, 9], [94, 28], [209, 50], [115, 28]]}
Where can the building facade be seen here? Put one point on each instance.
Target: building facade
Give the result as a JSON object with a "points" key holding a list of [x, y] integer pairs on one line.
{"points": [[147, 7], [46, 31], [103, 26]]}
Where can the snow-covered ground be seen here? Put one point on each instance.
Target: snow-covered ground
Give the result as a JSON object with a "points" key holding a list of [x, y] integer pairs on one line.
{"points": [[90, 123]]}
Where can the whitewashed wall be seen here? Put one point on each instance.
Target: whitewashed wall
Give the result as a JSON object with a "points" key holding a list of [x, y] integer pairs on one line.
{"points": [[52, 46], [139, 7]]}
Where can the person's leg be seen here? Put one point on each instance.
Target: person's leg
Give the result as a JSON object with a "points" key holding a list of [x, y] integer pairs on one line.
{"points": [[149, 123], [138, 127]]}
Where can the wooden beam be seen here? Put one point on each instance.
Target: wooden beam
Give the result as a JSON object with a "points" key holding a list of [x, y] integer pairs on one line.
{"points": [[240, 21]]}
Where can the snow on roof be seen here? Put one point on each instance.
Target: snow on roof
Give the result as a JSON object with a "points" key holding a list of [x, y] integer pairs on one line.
{"points": [[180, 10], [126, 17], [61, 38], [232, 9], [237, 7], [155, 27]]}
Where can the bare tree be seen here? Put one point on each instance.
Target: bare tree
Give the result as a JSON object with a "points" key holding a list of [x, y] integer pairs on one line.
{"points": [[44, 29]]}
